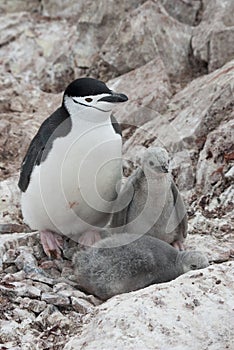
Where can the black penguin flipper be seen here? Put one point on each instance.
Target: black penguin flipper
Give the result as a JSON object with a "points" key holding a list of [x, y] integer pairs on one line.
{"points": [[33, 154], [116, 125], [57, 125]]}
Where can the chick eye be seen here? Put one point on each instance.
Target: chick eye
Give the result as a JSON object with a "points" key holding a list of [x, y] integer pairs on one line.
{"points": [[151, 163], [88, 99]]}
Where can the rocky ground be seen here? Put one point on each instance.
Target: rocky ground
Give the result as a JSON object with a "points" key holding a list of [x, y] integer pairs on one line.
{"points": [[176, 64]]}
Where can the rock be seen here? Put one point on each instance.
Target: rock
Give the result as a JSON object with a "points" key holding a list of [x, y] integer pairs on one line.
{"points": [[174, 313], [9, 330], [230, 173], [210, 244], [55, 76], [213, 39], [185, 11], [18, 276], [63, 289], [12, 26], [80, 305], [21, 289], [148, 88], [34, 305], [25, 33], [18, 128], [13, 241], [158, 34], [94, 24], [192, 114], [76, 296], [214, 159], [25, 260], [51, 316], [86, 11], [10, 200], [93, 28], [20, 5], [55, 299], [23, 315]]}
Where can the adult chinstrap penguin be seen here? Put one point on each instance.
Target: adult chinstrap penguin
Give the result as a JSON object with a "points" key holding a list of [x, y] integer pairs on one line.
{"points": [[70, 172]]}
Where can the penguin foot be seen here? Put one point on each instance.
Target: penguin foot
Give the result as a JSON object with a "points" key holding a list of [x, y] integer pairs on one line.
{"points": [[178, 245], [88, 238], [52, 244]]}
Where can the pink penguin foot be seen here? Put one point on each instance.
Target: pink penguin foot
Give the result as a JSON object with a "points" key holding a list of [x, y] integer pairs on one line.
{"points": [[178, 245], [88, 238], [52, 244]]}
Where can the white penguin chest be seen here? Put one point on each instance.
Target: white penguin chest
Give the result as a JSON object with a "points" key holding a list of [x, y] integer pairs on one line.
{"points": [[85, 166]]}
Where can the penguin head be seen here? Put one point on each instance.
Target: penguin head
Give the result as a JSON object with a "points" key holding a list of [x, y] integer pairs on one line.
{"points": [[193, 260], [156, 159], [92, 95]]}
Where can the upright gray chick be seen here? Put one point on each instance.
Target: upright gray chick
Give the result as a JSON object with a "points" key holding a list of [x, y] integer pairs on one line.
{"points": [[150, 203]]}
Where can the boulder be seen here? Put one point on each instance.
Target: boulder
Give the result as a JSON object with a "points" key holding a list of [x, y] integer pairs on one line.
{"points": [[213, 39], [94, 24], [196, 308], [146, 33], [216, 157], [185, 11], [193, 113], [33, 6], [147, 88], [23, 33], [23, 109], [88, 11]]}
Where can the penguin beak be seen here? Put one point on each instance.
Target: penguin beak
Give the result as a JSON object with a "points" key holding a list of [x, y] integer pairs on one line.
{"points": [[114, 98]]}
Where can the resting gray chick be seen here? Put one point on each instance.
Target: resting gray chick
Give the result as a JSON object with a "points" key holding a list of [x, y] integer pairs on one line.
{"points": [[127, 262]]}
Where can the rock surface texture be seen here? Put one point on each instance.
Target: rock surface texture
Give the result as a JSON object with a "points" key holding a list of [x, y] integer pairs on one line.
{"points": [[176, 64]]}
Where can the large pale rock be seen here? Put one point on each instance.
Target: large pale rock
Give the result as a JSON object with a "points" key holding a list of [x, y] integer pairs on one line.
{"points": [[216, 157], [196, 308], [147, 86], [10, 201], [88, 11], [192, 114], [146, 33], [23, 109], [7, 6], [213, 39], [185, 11], [211, 235], [25, 34], [94, 23]]}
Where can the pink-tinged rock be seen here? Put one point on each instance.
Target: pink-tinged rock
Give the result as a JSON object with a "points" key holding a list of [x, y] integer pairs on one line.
{"points": [[146, 33], [148, 88], [185, 11], [192, 114], [216, 157], [174, 314], [55, 299], [80, 305], [213, 39]]}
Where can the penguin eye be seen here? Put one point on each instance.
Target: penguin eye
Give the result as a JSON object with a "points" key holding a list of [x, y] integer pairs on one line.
{"points": [[193, 266], [88, 99]]}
